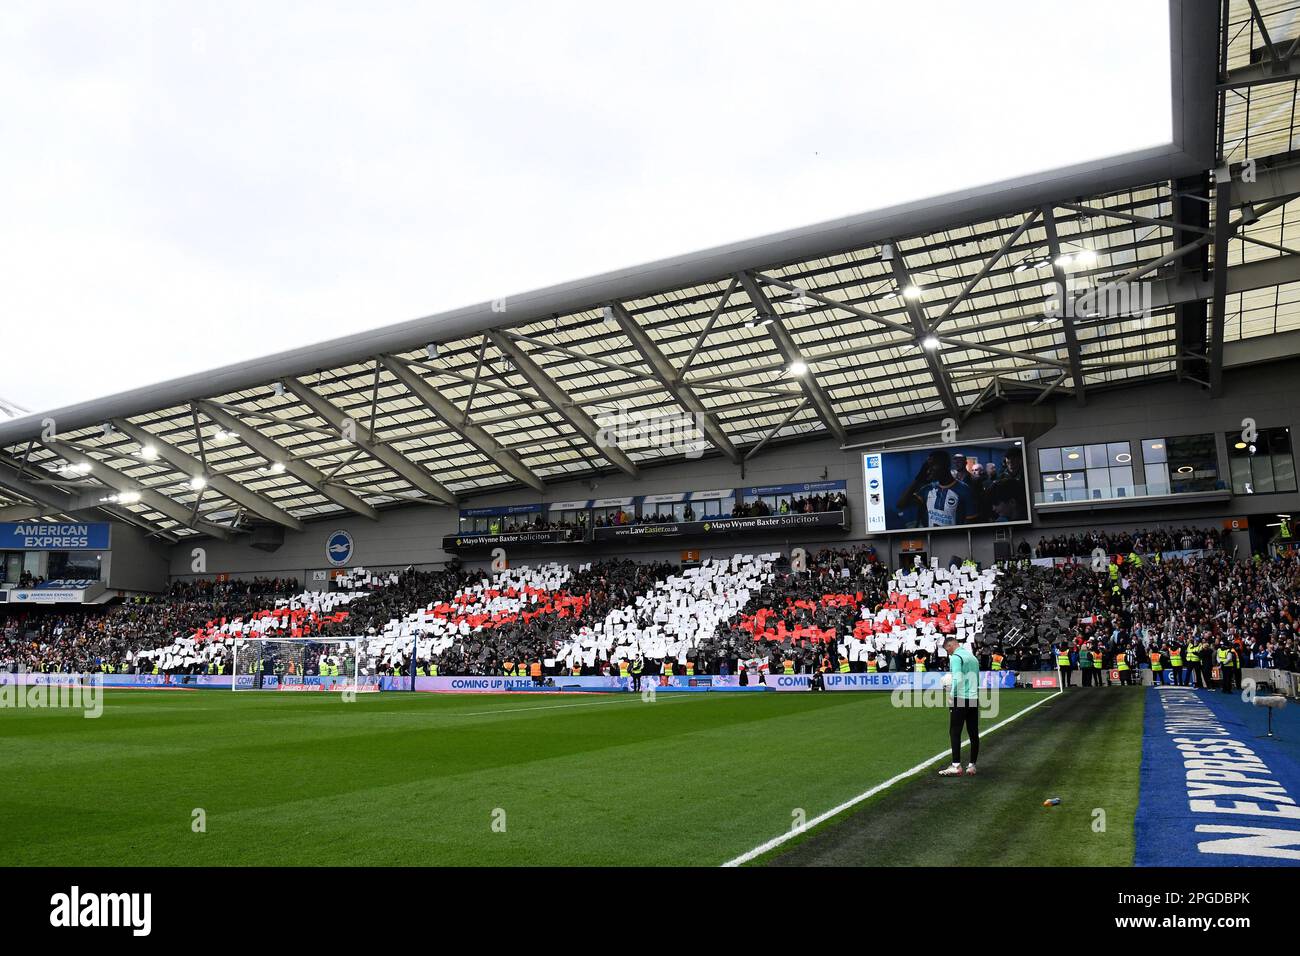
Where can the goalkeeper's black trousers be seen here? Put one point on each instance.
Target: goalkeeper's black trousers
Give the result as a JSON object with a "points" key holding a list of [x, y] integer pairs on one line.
{"points": [[967, 715]]}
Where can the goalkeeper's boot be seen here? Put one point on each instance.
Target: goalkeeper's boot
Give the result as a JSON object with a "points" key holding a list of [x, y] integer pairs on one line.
{"points": [[970, 770], [953, 771]]}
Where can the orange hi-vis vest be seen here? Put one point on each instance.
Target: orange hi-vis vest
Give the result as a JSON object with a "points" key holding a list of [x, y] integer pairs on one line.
{"points": [[871, 665], [1155, 661], [535, 669]]}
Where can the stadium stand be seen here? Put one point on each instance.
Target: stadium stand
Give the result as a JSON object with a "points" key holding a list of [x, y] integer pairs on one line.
{"points": [[845, 611]]}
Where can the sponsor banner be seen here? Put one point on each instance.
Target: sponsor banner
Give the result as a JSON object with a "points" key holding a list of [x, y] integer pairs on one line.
{"points": [[221, 682], [720, 526], [45, 597], [804, 488], [612, 502], [501, 510], [468, 542], [42, 536], [906, 680], [1049, 681], [1213, 791], [669, 498], [716, 495]]}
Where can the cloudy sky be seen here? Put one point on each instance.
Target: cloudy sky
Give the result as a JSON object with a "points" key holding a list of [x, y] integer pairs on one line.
{"points": [[185, 187]]}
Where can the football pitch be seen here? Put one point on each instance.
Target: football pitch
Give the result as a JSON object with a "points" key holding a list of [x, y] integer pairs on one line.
{"points": [[698, 779]]}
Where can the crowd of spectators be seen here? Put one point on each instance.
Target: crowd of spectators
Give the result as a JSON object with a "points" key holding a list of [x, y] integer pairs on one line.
{"points": [[1251, 605], [91, 638], [514, 525], [1144, 541], [791, 505]]}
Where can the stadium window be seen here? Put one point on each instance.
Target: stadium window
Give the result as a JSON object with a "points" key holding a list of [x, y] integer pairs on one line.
{"points": [[712, 508], [1264, 466], [1178, 465], [611, 515], [1080, 472]]}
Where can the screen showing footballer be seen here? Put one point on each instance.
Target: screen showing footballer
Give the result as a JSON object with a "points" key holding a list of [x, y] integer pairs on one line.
{"points": [[938, 487]]}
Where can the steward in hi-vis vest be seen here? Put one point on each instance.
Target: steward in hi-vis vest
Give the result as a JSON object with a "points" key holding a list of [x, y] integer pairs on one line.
{"points": [[1063, 665], [1099, 675]]}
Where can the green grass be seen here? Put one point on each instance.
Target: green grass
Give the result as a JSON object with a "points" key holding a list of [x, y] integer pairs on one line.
{"points": [[1084, 747], [415, 778]]}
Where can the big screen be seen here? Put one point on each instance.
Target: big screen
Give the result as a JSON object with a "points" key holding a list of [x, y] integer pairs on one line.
{"points": [[972, 484]]}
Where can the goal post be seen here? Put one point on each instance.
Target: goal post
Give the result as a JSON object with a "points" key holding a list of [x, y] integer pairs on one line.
{"points": [[298, 664]]}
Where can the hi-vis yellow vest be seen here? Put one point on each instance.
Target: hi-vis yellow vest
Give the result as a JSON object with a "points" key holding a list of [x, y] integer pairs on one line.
{"points": [[871, 666], [844, 666], [997, 662], [1062, 658]]}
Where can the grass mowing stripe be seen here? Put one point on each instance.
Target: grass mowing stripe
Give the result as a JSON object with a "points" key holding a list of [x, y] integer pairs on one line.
{"points": [[777, 841], [1086, 748]]}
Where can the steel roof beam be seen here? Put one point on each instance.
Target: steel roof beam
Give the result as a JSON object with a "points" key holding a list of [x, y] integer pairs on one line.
{"points": [[412, 472], [477, 436], [1066, 306], [563, 404], [789, 349], [671, 379], [1222, 233], [921, 329], [273, 452], [149, 498], [188, 465]]}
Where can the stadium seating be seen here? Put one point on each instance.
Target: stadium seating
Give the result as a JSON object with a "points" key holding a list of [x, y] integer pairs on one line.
{"points": [[753, 608]]}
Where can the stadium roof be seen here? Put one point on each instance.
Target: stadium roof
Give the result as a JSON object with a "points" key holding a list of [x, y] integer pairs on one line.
{"points": [[516, 392]]}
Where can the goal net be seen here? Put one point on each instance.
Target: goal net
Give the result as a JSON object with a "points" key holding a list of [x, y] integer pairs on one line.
{"points": [[298, 664]]}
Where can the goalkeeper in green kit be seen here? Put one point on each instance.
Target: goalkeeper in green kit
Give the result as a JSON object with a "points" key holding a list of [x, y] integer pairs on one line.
{"points": [[963, 680]]}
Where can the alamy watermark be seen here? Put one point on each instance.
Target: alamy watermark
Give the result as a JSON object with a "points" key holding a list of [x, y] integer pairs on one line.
{"points": [[1112, 300], [679, 433], [40, 691]]}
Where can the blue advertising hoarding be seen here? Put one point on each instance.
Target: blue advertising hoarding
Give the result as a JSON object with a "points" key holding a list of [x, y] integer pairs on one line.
{"points": [[42, 536]]}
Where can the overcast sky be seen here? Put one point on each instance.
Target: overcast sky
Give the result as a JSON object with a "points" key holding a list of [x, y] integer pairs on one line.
{"points": [[184, 186]]}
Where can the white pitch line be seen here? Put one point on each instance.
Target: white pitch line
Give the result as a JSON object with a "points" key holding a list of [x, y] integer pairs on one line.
{"points": [[775, 842]]}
